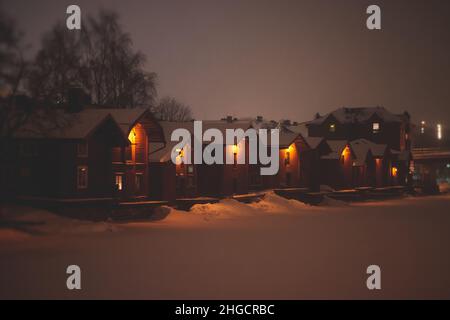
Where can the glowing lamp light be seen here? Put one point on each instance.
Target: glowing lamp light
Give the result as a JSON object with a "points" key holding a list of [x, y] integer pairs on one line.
{"points": [[394, 171], [180, 152], [439, 131], [344, 152], [132, 136], [235, 148]]}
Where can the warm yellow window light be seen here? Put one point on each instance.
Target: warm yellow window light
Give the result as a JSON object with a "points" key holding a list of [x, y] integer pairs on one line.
{"points": [[291, 148], [394, 171]]}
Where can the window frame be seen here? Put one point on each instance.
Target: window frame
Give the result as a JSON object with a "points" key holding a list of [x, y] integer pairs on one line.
{"points": [[82, 153], [116, 176], [82, 185]]}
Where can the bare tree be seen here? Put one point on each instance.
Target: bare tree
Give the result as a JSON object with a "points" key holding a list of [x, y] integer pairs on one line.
{"points": [[14, 108], [99, 58], [57, 65], [169, 109]]}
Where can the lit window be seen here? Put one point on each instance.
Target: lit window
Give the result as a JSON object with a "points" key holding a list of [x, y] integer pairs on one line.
{"points": [[119, 182], [376, 127], [288, 158], [82, 177], [332, 128], [394, 171], [82, 149]]}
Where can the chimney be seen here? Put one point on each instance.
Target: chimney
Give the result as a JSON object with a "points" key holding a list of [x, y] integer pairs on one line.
{"points": [[259, 118], [76, 99]]}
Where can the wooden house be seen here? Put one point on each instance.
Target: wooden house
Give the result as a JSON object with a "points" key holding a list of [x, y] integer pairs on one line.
{"points": [[93, 153], [67, 157]]}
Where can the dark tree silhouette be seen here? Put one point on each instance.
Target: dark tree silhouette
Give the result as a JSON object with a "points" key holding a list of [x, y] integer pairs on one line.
{"points": [[99, 58], [14, 108], [169, 109]]}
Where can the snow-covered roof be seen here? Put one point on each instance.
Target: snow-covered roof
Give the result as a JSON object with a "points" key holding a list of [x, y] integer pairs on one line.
{"points": [[126, 118], [348, 115], [160, 152], [299, 128], [360, 148], [313, 142], [59, 124], [337, 145], [264, 124]]}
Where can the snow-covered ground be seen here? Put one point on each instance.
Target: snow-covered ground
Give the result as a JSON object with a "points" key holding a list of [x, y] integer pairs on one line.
{"points": [[273, 249]]}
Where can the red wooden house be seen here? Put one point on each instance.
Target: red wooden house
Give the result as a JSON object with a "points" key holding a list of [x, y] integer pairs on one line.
{"points": [[67, 158], [172, 181], [225, 179], [358, 163], [130, 163], [90, 154], [374, 124]]}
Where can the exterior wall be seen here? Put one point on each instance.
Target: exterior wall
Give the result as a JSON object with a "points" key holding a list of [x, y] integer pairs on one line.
{"points": [[224, 179], [50, 170], [162, 181], [391, 133], [131, 163], [289, 167]]}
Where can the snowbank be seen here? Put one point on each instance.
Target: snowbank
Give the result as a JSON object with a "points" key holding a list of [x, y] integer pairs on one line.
{"points": [[16, 222]]}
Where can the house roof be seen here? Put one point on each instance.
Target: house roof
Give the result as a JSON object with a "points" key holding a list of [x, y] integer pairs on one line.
{"points": [[337, 145], [360, 148], [58, 124], [348, 115], [313, 142], [162, 152], [299, 128]]}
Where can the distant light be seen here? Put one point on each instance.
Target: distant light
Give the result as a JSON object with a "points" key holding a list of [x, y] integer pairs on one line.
{"points": [[376, 127], [332, 128], [448, 165], [422, 128], [235, 149], [439, 131]]}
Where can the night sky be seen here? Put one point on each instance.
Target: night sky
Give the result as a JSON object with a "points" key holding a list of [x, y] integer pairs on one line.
{"points": [[280, 59]]}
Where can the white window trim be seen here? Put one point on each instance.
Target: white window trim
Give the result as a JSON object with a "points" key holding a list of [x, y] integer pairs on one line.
{"points": [[79, 185]]}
